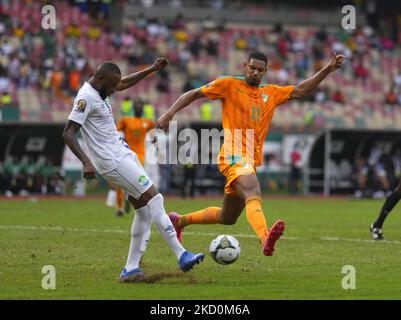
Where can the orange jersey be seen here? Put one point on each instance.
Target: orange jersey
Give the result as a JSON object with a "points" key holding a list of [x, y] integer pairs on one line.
{"points": [[135, 130], [247, 114]]}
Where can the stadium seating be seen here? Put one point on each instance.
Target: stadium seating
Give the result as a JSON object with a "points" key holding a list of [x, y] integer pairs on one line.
{"points": [[364, 98]]}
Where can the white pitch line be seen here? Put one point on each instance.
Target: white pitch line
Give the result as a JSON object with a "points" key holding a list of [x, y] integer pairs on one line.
{"points": [[238, 235]]}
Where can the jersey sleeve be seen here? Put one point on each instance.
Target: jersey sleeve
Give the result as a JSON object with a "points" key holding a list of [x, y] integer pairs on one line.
{"points": [[121, 124], [150, 126], [282, 94], [216, 89], [82, 107]]}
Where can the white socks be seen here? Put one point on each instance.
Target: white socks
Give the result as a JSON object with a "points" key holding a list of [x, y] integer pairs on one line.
{"points": [[140, 231], [163, 223]]}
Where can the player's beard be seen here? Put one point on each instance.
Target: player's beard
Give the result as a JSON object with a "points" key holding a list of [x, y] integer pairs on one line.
{"points": [[252, 82]]}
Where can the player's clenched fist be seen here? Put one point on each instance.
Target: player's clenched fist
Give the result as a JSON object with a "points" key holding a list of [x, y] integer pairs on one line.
{"points": [[336, 61], [159, 64]]}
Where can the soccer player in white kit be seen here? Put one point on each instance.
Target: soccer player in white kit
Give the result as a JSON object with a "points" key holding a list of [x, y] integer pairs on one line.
{"points": [[119, 165]]}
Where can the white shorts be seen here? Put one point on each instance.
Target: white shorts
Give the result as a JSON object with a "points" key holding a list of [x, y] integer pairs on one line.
{"points": [[129, 176]]}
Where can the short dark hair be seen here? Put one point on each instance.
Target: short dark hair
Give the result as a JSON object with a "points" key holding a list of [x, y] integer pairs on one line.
{"points": [[257, 56], [109, 66]]}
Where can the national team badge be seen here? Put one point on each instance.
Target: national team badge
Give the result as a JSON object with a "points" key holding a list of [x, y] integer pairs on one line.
{"points": [[265, 97], [81, 105], [143, 181]]}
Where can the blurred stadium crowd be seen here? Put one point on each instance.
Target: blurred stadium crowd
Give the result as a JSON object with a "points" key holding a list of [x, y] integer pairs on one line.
{"points": [[42, 70]]}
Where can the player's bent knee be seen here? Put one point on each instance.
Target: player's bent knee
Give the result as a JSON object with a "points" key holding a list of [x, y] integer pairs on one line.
{"points": [[228, 221], [145, 197], [252, 193]]}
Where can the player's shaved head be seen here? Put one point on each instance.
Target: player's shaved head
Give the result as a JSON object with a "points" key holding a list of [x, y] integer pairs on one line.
{"points": [[108, 67], [106, 78]]}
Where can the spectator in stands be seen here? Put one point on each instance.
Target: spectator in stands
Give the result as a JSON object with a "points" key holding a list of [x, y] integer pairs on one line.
{"points": [[74, 81], [240, 41], [126, 107], [57, 78], [206, 111], [12, 175], [391, 97], [188, 85], [105, 7], [73, 30], [149, 111], [24, 72], [163, 85], [360, 71], [195, 46], [211, 47], [301, 65], [338, 97], [141, 21], [94, 32], [295, 171], [184, 56], [321, 95], [117, 40], [82, 5], [397, 79], [179, 23], [5, 100]]}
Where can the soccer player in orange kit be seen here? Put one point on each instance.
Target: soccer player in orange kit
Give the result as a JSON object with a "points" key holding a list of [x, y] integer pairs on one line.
{"points": [[134, 130], [246, 105]]}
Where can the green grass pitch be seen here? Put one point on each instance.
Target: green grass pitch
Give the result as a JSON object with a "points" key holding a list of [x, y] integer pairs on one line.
{"points": [[87, 245]]}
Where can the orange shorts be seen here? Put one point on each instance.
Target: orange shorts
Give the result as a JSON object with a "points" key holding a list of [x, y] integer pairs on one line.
{"points": [[231, 171]]}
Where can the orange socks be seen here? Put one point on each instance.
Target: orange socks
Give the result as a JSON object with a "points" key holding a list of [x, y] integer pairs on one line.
{"points": [[209, 215], [255, 216], [120, 198]]}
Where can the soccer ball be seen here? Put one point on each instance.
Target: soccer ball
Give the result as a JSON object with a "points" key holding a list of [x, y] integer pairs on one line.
{"points": [[225, 249]]}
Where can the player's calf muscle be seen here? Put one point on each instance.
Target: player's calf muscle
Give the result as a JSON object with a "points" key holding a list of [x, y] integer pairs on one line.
{"points": [[228, 220]]}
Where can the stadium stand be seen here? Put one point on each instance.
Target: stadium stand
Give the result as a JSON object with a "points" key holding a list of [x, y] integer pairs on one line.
{"points": [[42, 72]]}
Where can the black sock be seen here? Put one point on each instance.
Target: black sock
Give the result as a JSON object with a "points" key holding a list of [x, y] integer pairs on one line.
{"points": [[390, 203]]}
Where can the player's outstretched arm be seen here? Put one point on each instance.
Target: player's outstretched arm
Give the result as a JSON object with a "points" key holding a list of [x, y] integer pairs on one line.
{"points": [[183, 101], [131, 79], [69, 135], [308, 85]]}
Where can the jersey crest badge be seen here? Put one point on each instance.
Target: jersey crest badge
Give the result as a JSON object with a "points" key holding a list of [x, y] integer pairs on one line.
{"points": [[265, 97], [81, 105], [143, 181]]}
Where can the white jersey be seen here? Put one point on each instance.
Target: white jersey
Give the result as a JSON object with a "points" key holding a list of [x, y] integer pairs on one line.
{"points": [[98, 129]]}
